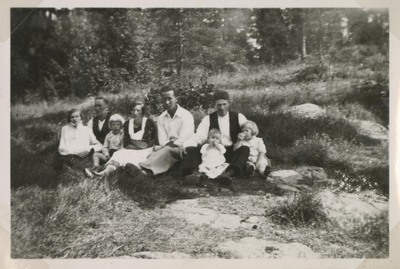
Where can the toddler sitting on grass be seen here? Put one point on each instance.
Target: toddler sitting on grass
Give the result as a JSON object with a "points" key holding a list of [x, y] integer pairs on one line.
{"points": [[257, 157], [213, 159], [112, 142]]}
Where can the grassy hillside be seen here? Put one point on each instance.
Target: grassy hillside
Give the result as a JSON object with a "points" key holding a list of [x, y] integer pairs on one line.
{"points": [[65, 215]]}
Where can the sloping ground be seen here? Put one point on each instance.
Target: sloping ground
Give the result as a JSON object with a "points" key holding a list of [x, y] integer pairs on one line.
{"points": [[94, 219]]}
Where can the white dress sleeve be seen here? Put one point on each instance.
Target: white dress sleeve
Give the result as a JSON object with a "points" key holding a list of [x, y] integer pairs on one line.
{"points": [[63, 147], [203, 149], [222, 149]]}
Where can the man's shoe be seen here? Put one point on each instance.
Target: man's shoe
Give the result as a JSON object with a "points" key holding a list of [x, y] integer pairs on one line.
{"points": [[251, 168]]}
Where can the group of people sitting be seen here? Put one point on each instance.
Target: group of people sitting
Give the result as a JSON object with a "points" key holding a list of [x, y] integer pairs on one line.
{"points": [[225, 144]]}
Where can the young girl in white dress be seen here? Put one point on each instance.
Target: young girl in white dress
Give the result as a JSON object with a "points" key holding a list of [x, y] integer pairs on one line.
{"points": [[257, 157]]}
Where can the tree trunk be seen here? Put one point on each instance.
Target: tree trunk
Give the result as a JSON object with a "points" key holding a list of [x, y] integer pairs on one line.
{"points": [[180, 45], [303, 42]]}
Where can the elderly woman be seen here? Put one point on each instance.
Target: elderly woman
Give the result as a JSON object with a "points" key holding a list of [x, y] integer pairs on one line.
{"points": [[139, 137], [76, 139]]}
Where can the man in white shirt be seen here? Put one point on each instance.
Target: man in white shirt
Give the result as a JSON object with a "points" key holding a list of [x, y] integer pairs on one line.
{"points": [[99, 123], [229, 123], [174, 126]]}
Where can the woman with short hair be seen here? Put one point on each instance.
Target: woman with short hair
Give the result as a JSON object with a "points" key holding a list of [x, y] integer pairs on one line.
{"points": [[76, 139]]}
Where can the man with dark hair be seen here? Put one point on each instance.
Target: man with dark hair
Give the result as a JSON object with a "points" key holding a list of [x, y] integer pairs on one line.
{"points": [[174, 126], [99, 123], [229, 123]]}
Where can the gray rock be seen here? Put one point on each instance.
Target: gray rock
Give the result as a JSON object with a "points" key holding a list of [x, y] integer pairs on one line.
{"points": [[306, 111], [253, 219], [312, 173], [194, 214], [160, 255], [290, 177], [252, 248], [370, 129], [348, 209]]}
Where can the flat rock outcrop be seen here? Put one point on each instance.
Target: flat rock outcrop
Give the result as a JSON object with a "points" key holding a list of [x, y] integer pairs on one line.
{"points": [[253, 248]]}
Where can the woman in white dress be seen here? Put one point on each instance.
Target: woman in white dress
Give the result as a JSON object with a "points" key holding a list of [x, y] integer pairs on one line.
{"points": [[139, 137]]}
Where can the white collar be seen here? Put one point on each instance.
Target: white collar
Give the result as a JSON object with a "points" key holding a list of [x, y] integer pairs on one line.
{"points": [[178, 112]]}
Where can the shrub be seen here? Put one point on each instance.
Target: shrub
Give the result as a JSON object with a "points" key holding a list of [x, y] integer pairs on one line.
{"points": [[309, 152], [302, 209], [283, 129], [310, 72], [373, 94], [190, 96], [356, 54]]}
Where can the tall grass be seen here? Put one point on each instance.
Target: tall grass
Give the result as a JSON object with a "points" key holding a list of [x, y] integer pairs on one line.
{"points": [[302, 209]]}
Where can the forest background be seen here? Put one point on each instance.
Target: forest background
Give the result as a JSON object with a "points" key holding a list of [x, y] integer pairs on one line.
{"points": [[64, 53]]}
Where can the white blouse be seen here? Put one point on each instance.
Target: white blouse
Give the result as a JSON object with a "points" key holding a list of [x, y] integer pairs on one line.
{"points": [[75, 140]]}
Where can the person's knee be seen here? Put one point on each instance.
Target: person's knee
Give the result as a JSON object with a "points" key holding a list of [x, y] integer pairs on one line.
{"points": [[261, 168]]}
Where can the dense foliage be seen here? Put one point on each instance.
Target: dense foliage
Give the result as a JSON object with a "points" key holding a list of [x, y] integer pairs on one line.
{"points": [[190, 96], [57, 53]]}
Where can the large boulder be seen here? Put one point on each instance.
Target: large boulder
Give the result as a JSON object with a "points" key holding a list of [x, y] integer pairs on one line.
{"points": [[370, 129], [290, 177], [348, 209], [253, 248], [306, 111]]}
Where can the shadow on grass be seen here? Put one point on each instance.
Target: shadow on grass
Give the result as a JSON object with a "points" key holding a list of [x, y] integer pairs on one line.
{"points": [[158, 191]]}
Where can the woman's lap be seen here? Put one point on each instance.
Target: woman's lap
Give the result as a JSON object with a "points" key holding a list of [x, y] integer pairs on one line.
{"points": [[133, 156]]}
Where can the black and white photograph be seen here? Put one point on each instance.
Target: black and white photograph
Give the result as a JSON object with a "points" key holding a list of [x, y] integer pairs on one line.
{"points": [[199, 133]]}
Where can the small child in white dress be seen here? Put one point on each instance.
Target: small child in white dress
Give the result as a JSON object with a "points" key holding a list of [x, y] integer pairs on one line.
{"points": [[213, 159], [257, 157], [212, 155]]}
